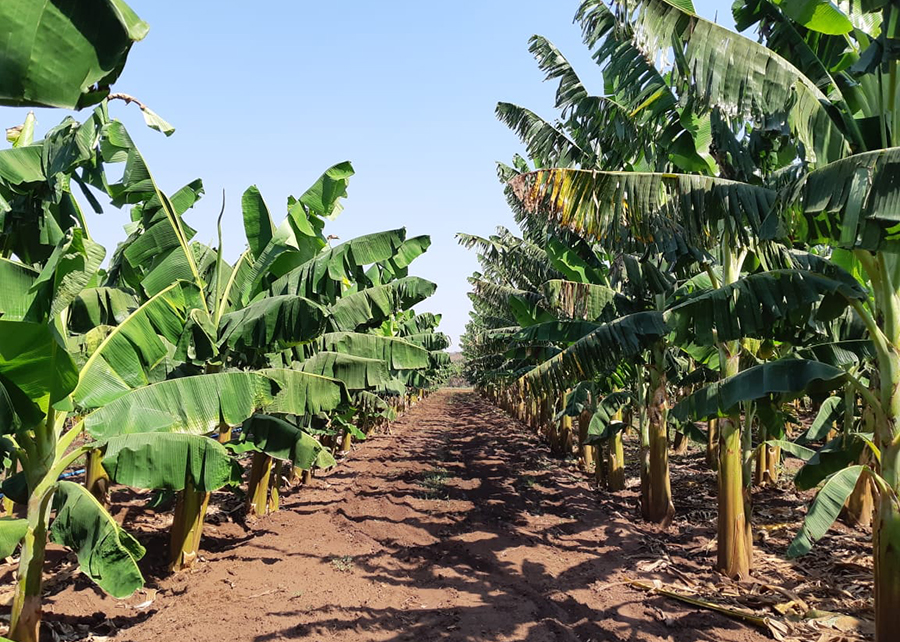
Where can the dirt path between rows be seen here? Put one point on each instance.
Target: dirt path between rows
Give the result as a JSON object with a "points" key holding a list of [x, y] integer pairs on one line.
{"points": [[458, 526]]}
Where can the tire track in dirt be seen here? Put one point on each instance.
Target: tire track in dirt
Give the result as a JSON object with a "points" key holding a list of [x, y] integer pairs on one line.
{"points": [[457, 526]]}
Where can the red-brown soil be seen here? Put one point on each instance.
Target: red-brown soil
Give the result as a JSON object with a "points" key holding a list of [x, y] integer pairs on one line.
{"points": [[457, 526]]}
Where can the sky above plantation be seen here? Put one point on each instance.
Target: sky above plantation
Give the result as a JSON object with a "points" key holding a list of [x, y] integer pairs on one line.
{"points": [[273, 93]]}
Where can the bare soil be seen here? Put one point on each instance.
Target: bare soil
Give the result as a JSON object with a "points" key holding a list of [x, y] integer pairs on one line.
{"points": [[459, 526]]}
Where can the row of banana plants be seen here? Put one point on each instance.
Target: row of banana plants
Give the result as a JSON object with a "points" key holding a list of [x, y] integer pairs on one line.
{"points": [[163, 365], [706, 240]]}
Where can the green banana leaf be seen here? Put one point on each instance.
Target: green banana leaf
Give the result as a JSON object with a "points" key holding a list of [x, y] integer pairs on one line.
{"points": [[397, 353], [323, 198], [825, 509], [756, 305], [193, 405], [599, 351], [197, 404], [831, 410], [12, 531], [304, 393], [357, 373], [138, 344], [282, 440], [429, 340], [418, 323], [106, 553], [793, 448], [398, 265], [368, 308], [579, 399], [33, 362], [165, 461], [602, 425], [64, 54], [322, 277], [786, 376], [258, 225], [101, 306], [18, 302], [836, 455], [72, 265], [272, 324]]}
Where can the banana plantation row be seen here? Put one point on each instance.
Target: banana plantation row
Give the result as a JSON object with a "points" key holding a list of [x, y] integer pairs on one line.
{"points": [[710, 237], [166, 366]]}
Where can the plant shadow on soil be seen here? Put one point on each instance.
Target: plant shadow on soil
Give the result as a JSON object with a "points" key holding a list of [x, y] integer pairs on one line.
{"points": [[514, 540], [458, 526]]}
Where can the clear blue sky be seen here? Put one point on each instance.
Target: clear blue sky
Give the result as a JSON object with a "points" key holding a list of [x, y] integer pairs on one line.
{"points": [[271, 93]]}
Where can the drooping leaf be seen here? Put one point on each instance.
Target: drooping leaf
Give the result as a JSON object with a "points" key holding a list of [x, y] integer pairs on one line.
{"points": [[848, 204], [357, 373], [825, 509], [272, 324], [325, 459], [785, 376], [629, 211], [369, 403], [155, 121], [545, 142], [164, 461], [397, 353], [106, 553], [756, 305], [586, 301], [599, 351], [193, 405], [758, 84], [557, 332], [282, 440]]}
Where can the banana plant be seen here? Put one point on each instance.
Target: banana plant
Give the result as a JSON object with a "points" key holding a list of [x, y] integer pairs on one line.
{"points": [[43, 275]]}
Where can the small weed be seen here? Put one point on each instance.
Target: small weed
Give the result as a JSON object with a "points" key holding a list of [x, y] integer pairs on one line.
{"points": [[344, 563], [434, 482]]}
